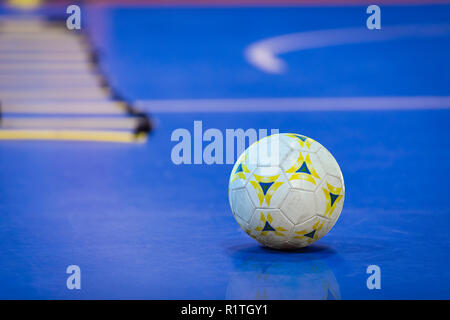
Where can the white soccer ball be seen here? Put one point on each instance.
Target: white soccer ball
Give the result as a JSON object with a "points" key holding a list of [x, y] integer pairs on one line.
{"points": [[286, 191]]}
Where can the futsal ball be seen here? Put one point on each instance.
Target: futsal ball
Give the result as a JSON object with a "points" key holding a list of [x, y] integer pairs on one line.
{"points": [[286, 191]]}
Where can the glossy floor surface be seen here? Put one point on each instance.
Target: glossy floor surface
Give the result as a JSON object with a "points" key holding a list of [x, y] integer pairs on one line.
{"points": [[141, 227]]}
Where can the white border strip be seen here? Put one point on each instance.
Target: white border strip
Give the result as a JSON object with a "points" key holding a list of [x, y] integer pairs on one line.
{"points": [[295, 104]]}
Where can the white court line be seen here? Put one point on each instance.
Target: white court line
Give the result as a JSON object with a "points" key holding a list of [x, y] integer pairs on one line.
{"points": [[295, 104], [264, 54]]}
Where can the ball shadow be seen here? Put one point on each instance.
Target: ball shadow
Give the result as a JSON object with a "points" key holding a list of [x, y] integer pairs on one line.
{"points": [[257, 252]]}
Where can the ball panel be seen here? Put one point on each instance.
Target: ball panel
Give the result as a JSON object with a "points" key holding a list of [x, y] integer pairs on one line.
{"points": [[299, 206], [302, 143], [243, 224], [303, 170], [330, 197], [267, 187], [329, 163], [270, 227], [309, 231], [242, 170], [336, 213], [241, 204], [268, 152]]}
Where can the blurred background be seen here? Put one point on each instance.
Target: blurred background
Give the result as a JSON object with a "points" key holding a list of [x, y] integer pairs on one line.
{"points": [[86, 175]]}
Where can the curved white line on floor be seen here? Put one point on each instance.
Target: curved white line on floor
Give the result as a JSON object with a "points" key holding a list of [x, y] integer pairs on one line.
{"points": [[264, 54]]}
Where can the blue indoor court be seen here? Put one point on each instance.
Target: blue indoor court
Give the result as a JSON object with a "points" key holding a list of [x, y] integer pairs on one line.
{"points": [[87, 177]]}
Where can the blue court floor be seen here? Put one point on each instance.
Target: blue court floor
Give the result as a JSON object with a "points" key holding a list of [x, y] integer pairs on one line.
{"points": [[141, 227]]}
